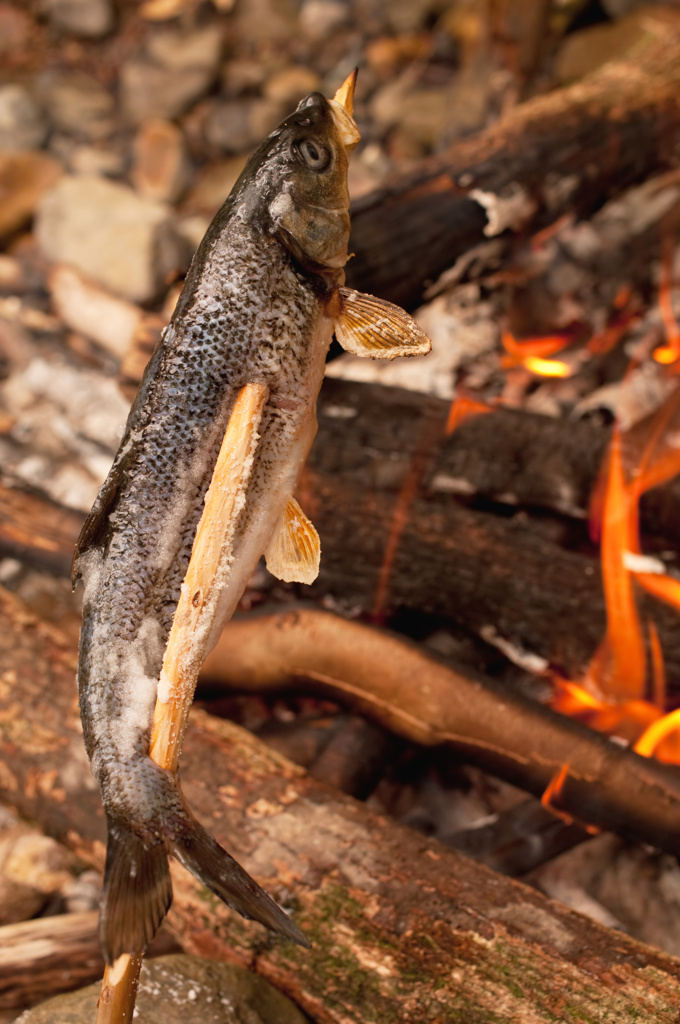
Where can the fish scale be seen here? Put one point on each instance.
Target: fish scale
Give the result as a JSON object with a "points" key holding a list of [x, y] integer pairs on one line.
{"points": [[259, 307]]}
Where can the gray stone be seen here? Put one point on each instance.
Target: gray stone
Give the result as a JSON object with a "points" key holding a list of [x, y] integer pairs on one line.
{"points": [[175, 69], [22, 122], [235, 126], [148, 90], [118, 238], [176, 989], [183, 50], [89, 18], [77, 104]]}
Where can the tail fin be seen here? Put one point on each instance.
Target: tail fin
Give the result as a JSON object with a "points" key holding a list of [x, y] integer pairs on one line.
{"points": [[137, 893], [198, 851]]}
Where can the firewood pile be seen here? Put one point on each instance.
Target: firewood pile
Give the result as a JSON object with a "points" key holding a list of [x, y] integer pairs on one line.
{"points": [[488, 663]]}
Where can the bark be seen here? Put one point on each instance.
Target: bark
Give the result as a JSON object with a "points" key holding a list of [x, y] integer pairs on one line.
{"points": [[401, 927], [395, 684], [383, 487], [567, 151]]}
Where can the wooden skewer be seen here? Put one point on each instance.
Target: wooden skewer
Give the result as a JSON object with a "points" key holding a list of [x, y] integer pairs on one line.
{"points": [[185, 649]]}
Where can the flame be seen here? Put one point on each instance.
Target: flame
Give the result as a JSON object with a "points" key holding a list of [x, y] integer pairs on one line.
{"points": [[464, 408], [669, 352], [624, 676], [661, 739], [553, 791], [547, 367]]}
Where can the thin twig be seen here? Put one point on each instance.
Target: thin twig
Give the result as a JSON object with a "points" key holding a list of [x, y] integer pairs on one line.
{"points": [[185, 648]]}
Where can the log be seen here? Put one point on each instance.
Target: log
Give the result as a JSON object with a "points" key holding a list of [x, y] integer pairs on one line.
{"points": [[396, 685], [506, 573], [402, 928], [47, 955], [568, 151]]}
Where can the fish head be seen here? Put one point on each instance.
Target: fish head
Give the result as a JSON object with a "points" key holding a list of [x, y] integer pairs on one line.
{"points": [[300, 179]]}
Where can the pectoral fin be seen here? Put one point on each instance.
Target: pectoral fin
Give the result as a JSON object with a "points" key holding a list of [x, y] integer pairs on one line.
{"points": [[368, 326], [294, 552]]}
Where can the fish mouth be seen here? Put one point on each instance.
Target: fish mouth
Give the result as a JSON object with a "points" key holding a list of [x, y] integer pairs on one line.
{"points": [[342, 108]]}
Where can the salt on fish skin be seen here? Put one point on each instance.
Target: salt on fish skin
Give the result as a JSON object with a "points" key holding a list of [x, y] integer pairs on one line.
{"points": [[259, 306]]}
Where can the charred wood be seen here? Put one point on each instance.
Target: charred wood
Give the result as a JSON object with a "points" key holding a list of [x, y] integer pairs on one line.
{"points": [[505, 575], [395, 684], [567, 151], [399, 924]]}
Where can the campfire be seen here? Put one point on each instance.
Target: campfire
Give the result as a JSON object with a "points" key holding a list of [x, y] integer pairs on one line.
{"points": [[487, 663]]}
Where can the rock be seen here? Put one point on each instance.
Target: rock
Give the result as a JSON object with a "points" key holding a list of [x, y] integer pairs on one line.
{"points": [[213, 184], [86, 307], [96, 160], [32, 868], [176, 989], [585, 51], [159, 170], [236, 126], [175, 70], [318, 18], [181, 51], [147, 90], [89, 18], [22, 122], [25, 176], [15, 28], [243, 75], [288, 86], [77, 104], [267, 21], [116, 237]]}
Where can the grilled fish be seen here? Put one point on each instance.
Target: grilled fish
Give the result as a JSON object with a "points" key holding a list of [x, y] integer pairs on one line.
{"points": [[263, 296]]}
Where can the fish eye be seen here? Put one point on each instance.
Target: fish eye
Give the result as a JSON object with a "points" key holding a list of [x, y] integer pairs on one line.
{"points": [[313, 154]]}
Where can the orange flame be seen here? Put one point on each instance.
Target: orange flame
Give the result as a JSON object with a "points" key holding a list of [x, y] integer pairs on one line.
{"points": [[669, 352], [624, 677], [463, 408]]}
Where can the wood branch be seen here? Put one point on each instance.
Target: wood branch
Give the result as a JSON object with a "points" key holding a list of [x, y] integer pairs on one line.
{"points": [[419, 699], [400, 924], [567, 151], [47, 955], [481, 570]]}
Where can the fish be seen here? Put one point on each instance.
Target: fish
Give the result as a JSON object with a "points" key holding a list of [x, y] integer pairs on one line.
{"points": [[261, 301]]}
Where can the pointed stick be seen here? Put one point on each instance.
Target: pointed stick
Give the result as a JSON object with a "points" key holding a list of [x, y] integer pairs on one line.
{"points": [[185, 649]]}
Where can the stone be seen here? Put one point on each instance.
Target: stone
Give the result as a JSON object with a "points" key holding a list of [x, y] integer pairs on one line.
{"points": [[159, 169], [118, 238], [32, 868], [213, 184], [15, 28], [181, 51], [176, 989], [148, 90], [288, 86], [77, 104], [25, 176], [88, 308], [89, 18], [319, 18], [236, 126], [588, 49], [23, 124], [267, 21]]}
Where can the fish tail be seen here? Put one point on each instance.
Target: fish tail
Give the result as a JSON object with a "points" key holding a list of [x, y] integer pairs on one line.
{"points": [[137, 889], [137, 892], [200, 853]]}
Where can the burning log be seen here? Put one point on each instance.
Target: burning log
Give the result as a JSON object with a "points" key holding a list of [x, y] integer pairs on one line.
{"points": [[397, 921], [568, 151], [414, 696], [484, 571]]}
